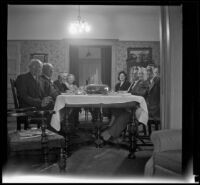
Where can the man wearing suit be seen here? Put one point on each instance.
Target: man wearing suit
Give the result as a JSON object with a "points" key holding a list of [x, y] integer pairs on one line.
{"points": [[153, 94], [139, 86], [29, 88], [47, 87], [59, 83]]}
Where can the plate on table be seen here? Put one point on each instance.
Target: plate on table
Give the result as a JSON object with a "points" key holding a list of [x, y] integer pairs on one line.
{"points": [[125, 94], [67, 94]]}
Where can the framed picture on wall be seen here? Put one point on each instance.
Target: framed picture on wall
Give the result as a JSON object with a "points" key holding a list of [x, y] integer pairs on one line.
{"points": [[43, 57], [139, 56]]}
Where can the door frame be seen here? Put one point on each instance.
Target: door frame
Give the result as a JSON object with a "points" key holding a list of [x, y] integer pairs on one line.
{"points": [[91, 43]]}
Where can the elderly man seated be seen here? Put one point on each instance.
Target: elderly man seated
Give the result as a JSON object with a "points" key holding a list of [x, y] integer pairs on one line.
{"points": [[121, 117], [59, 84], [47, 86], [35, 88], [31, 90], [139, 85]]}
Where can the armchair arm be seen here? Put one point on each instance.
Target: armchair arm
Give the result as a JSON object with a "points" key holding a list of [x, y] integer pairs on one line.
{"points": [[22, 109], [164, 140]]}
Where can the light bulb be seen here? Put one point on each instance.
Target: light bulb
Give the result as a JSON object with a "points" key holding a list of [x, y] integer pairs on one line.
{"points": [[87, 28], [72, 28], [79, 27]]}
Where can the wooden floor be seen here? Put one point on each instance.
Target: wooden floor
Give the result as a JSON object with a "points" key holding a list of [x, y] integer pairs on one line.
{"points": [[86, 159]]}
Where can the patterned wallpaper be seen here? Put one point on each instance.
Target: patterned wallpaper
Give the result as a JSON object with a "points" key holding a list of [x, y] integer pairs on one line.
{"points": [[121, 53], [54, 48], [57, 53]]}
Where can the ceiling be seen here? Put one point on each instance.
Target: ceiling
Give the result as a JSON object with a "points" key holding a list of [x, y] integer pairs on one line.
{"points": [[97, 9], [107, 21]]}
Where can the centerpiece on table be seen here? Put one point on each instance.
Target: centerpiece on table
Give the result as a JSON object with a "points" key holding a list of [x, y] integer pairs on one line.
{"points": [[97, 89]]}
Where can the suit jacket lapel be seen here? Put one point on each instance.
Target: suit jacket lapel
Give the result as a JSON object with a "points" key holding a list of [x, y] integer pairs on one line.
{"points": [[135, 84], [151, 85], [130, 87]]}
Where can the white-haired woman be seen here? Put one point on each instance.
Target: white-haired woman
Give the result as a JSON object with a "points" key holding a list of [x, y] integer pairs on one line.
{"points": [[74, 116], [71, 83]]}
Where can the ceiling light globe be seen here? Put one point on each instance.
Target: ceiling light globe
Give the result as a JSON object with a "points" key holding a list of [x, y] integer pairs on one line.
{"points": [[87, 28], [73, 29]]}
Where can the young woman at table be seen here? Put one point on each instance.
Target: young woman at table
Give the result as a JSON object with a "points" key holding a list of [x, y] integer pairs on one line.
{"points": [[123, 83]]}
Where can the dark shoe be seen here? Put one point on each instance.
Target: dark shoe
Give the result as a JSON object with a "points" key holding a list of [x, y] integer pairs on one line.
{"points": [[99, 142], [114, 141]]}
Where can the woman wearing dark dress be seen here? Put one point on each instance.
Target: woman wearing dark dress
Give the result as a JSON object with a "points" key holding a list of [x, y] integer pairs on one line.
{"points": [[123, 83]]}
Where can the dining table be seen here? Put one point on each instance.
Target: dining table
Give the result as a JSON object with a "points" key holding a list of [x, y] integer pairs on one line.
{"points": [[137, 104]]}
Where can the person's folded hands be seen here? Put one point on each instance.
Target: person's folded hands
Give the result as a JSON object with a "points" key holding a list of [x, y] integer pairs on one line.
{"points": [[46, 101]]}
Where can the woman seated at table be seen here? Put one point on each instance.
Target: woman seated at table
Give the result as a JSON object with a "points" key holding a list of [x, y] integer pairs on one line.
{"points": [[123, 83], [72, 87]]}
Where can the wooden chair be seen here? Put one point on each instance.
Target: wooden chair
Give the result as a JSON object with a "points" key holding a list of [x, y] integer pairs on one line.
{"points": [[135, 137], [44, 141], [153, 122], [24, 118]]}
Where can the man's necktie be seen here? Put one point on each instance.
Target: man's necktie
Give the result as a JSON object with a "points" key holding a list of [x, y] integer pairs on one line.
{"points": [[38, 89], [132, 84]]}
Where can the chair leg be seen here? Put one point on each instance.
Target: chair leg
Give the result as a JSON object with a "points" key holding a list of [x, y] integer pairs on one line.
{"points": [[86, 114], [157, 124], [18, 125], [26, 125], [38, 125], [144, 130], [62, 161], [67, 146], [44, 143], [149, 127]]}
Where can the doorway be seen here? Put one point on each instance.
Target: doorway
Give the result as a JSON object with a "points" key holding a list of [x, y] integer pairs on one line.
{"points": [[91, 62]]}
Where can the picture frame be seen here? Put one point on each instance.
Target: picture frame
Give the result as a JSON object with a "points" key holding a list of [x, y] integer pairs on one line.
{"points": [[140, 56], [43, 57]]}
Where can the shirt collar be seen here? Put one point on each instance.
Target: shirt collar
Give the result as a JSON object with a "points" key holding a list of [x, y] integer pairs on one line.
{"points": [[35, 77], [152, 79], [46, 77]]}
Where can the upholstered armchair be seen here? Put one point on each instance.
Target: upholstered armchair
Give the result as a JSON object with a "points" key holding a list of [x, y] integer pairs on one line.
{"points": [[166, 159]]}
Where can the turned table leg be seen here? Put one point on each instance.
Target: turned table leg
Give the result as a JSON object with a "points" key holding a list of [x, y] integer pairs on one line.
{"points": [[98, 141], [44, 142], [133, 131], [62, 160]]}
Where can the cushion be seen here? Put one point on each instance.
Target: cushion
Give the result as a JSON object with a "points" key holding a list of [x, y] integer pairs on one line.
{"points": [[26, 140], [170, 160]]}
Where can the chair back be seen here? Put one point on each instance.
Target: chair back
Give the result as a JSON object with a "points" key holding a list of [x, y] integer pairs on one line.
{"points": [[14, 93]]}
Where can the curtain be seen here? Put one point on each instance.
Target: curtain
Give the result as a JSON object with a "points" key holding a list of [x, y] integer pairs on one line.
{"points": [[74, 62], [106, 65]]}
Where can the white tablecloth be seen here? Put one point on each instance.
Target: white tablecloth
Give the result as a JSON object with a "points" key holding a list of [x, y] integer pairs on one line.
{"points": [[62, 100]]}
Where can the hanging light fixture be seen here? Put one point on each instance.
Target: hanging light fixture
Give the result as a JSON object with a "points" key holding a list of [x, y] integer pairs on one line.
{"points": [[79, 26]]}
